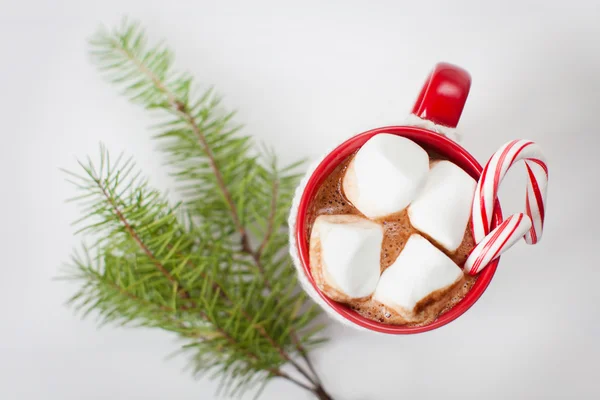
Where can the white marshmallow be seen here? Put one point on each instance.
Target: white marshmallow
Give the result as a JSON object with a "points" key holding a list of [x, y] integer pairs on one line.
{"points": [[386, 175], [443, 207], [345, 255], [420, 269]]}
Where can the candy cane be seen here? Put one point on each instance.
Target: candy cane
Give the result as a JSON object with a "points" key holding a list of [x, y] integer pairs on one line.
{"points": [[491, 244], [497, 241]]}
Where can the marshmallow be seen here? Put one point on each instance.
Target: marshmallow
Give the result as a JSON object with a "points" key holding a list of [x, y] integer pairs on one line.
{"points": [[345, 255], [385, 175], [443, 207], [420, 269]]}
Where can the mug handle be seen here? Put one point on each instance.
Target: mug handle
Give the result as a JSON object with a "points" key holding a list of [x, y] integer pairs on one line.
{"points": [[443, 95]]}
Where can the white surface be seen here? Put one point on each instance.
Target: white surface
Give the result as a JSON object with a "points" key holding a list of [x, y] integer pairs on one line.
{"points": [[420, 269], [386, 174], [304, 78], [350, 249], [443, 208]]}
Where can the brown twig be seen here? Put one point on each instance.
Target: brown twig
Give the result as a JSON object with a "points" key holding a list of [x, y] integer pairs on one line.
{"points": [[247, 249], [256, 254], [133, 233], [304, 355]]}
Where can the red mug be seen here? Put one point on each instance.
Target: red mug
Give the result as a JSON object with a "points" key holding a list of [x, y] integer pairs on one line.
{"points": [[441, 102]]}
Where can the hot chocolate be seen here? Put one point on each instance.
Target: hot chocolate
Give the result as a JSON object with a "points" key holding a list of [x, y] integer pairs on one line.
{"points": [[397, 230]]}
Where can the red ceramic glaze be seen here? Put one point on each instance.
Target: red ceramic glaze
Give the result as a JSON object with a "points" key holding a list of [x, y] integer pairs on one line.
{"points": [[441, 100], [443, 95]]}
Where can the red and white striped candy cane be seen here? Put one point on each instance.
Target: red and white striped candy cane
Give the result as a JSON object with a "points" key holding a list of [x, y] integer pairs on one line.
{"points": [[491, 244]]}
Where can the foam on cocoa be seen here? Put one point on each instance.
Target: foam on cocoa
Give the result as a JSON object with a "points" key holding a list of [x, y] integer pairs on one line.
{"points": [[330, 200]]}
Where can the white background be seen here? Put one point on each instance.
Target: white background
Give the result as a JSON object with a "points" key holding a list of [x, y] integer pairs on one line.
{"points": [[304, 77]]}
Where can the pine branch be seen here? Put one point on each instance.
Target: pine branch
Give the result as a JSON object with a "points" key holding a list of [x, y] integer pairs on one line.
{"points": [[266, 335], [270, 221], [199, 139], [133, 233], [153, 269]]}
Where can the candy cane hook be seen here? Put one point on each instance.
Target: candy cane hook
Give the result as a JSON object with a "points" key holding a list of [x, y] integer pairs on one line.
{"points": [[530, 225]]}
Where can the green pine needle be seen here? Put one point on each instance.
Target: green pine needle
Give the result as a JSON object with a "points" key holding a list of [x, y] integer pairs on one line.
{"points": [[213, 269]]}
